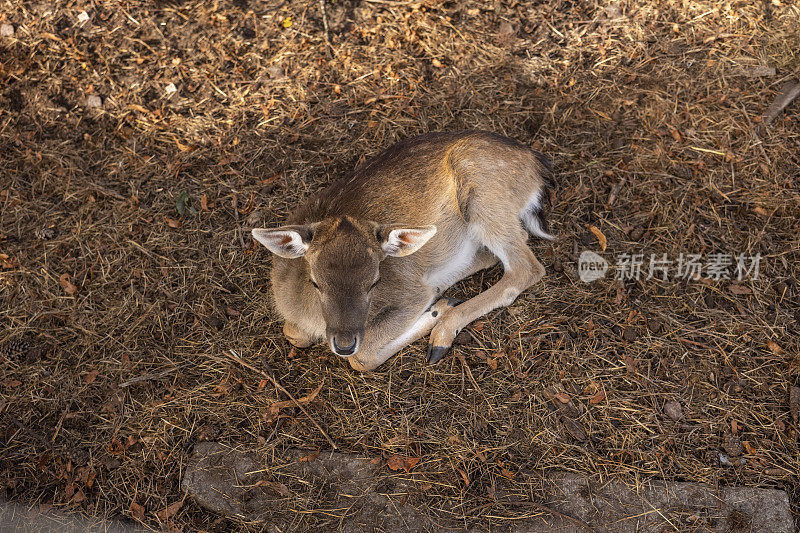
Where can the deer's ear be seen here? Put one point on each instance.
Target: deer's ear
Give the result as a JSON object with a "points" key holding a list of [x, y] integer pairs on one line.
{"points": [[290, 242], [399, 242]]}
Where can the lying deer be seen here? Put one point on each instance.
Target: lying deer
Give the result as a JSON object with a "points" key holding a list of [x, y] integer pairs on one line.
{"points": [[364, 262]]}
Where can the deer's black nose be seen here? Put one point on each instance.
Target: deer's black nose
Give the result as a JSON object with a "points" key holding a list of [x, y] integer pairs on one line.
{"points": [[345, 344]]}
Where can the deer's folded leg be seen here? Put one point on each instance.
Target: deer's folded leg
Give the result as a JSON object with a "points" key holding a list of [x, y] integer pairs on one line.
{"points": [[370, 357], [296, 337]]}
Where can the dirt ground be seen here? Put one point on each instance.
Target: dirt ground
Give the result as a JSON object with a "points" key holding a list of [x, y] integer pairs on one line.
{"points": [[142, 140]]}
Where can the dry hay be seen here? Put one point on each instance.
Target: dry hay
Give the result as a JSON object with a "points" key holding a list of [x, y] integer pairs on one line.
{"points": [[118, 312]]}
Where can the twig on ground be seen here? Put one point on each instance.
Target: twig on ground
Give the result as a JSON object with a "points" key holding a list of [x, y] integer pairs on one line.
{"points": [[786, 96], [233, 355], [146, 377]]}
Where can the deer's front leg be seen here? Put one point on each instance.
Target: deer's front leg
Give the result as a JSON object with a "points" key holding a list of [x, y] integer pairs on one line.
{"points": [[524, 271], [296, 336], [382, 347]]}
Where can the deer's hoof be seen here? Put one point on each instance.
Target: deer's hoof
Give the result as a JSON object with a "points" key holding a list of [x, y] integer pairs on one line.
{"points": [[435, 353]]}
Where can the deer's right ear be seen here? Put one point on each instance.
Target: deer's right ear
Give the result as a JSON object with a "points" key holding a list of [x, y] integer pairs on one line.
{"points": [[290, 242]]}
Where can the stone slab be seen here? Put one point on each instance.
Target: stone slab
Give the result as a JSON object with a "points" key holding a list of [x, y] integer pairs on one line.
{"points": [[354, 493], [16, 518]]}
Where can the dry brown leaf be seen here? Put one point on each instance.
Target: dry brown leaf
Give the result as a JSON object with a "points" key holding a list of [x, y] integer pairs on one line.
{"points": [[492, 362], [402, 462], [574, 429], [304, 400], [7, 262], [172, 223], [597, 398], [280, 488], [308, 458], [464, 476], [137, 512], [562, 397], [204, 202], [794, 403], [184, 147], [169, 512], [774, 347], [601, 239], [67, 285], [91, 376], [739, 289], [630, 365]]}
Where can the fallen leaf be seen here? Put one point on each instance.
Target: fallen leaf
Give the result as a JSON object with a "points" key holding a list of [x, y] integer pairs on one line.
{"points": [[79, 497], [630, 365], [91, 376], [401, 462], [280, 488], [7, 262], [172, 223], [508, 474], [302, 401], [492, 362], [137, 512], [739, 289], [794, 403], [310, 457], [12, 383], [287, 22], [749, 448], [601, 239], [464, 476], [774, 347], [169, 512], [67, 285], [597, 398], [562, 397], [204, 202], [574, 429], [181, 203]]}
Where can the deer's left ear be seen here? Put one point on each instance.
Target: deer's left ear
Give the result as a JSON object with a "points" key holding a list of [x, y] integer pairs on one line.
{"points": [[401, 241]]}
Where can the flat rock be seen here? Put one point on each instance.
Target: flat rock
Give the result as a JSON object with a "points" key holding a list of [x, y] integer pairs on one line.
{"points": [[344, 486], [16, 518], [343, 492]]}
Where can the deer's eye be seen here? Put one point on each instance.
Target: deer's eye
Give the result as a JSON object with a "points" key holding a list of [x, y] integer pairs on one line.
{"points": [[314, 284], [375, 284]]}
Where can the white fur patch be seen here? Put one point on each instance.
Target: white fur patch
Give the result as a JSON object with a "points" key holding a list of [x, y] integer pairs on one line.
{"points": [[421, 326], [531, 221], [454, 268]]}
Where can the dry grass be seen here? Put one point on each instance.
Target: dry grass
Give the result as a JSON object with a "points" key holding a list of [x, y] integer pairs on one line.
{"points": [[648, 110]]}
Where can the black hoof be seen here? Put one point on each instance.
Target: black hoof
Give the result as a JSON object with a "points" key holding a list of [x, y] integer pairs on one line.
{"points": [[435, 353]]}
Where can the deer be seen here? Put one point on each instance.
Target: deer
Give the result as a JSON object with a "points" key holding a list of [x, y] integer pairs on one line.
{"points": [[363, 263]]}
